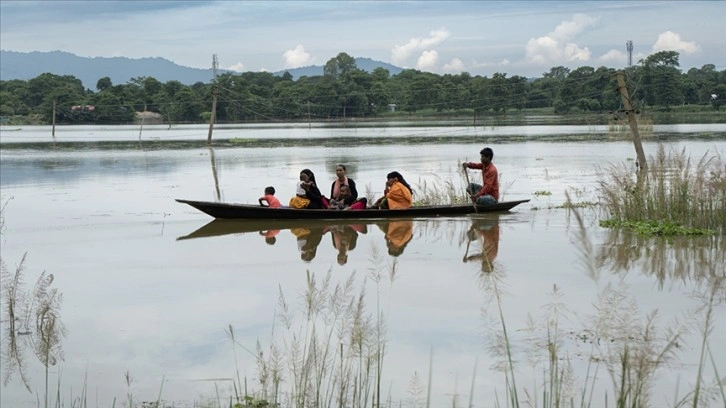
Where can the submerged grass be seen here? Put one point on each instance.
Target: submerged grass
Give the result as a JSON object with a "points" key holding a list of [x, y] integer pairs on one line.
{"points": [[673, 191]]}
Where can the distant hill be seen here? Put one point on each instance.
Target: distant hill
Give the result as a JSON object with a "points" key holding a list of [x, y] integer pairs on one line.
{"points": [[28, 65]]}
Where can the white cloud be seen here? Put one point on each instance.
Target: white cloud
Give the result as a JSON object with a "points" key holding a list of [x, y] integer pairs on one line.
{"points": [[570, 29], [557, 46], [503, 63], [455, 66], [670, 41], [401, 53], [238, 67], [427, 61], [613, 56], [296, 57]]}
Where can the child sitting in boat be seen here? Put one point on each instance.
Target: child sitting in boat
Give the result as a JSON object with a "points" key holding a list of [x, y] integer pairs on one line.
{"points": [[269, 199], [346, 200]]}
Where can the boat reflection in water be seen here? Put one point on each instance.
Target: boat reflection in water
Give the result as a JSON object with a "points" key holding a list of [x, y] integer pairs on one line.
{"points": [[309, 233], [344, 234]]}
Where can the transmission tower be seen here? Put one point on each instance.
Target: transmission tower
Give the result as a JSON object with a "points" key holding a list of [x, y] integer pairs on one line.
{"points": [[215, 66], [628, 46]]}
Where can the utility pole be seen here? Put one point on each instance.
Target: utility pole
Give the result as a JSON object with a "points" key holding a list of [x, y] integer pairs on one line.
{"points": [[215, 91], [630, 112], [53, 130], [213, 115]]}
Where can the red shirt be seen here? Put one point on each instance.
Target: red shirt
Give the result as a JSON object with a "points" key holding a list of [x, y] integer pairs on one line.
{"points": [[490, 178], [272, 201]]}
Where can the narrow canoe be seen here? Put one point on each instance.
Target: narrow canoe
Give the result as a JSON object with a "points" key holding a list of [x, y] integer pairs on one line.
{"points": [[256, 212]]}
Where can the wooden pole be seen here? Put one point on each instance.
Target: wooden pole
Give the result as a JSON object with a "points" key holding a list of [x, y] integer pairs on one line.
{"points": [[630, 112], [53, 129], [466, 173], [213, 116], [141, 128]]}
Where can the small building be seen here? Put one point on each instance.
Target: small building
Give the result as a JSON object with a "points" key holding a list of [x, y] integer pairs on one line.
{"points": [[391, 107]]}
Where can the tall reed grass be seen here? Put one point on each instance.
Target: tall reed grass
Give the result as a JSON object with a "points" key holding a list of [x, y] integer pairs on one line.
{"points": [[331, 354], [629, 347], [673, 189]]}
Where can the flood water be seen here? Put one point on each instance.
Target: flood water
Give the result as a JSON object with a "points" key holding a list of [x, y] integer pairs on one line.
{"points": [[150, 286]]}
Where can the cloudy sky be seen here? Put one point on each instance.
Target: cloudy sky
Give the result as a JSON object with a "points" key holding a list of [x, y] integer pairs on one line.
{"points": [[479, 37]]}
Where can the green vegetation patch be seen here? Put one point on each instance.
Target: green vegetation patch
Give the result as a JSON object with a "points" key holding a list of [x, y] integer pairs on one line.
{"points": [[542, 193], [568, 205], [655, 228]]}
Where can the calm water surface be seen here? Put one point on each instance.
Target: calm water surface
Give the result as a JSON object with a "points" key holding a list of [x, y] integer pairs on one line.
{"points": [[149, 285]]}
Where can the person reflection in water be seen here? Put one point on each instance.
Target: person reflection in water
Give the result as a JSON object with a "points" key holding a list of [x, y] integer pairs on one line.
{"points": [[270, 236], [345, 238], [308, 240], [397, 234], [488, 231]]}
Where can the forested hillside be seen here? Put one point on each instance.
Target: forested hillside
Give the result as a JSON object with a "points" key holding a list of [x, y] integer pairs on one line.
{"points": [[345, 91]]}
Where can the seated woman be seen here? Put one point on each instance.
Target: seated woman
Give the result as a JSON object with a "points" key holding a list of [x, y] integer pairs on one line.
{"points": [[345, 200], [397, 194], [312, 193], [341, 180]]}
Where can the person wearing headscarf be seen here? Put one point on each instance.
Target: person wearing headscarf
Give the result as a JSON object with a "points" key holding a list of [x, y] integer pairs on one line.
{"points": [[397, 195], [310, 187]]}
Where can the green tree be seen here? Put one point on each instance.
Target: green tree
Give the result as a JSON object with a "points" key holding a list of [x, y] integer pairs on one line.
{"points": [[519, 92], [339, 66], [103, 84], [559, 72]]}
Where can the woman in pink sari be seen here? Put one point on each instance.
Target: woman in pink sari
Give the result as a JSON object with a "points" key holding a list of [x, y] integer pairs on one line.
{"points": [[343, 198]]}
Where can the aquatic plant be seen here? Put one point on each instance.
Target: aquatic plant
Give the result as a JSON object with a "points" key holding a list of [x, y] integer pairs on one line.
{"points": [[31, 320], [332, 356], [663, 228], [542, 193], [673, 191], [439, 192], [619, 128], [631, 348]]}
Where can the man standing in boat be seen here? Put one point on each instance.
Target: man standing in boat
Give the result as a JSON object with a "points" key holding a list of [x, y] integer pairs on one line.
{"points": [[488, 193]]}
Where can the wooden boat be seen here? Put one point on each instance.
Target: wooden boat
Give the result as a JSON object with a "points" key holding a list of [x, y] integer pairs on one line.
{"points": [[257, 212]]}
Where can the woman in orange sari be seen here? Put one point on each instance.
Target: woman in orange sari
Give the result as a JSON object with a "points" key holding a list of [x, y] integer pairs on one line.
{"points": [[397, 195]]}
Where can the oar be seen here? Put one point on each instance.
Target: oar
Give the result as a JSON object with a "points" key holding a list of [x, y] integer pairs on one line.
{"points": [[466, 173], [468, 241]]}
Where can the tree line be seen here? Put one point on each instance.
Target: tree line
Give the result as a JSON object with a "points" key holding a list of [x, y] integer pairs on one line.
{"points": [[345, 91]]}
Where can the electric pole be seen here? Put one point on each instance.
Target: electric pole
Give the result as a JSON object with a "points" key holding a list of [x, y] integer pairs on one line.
{"points": [[630, 113], [215, 91]]}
